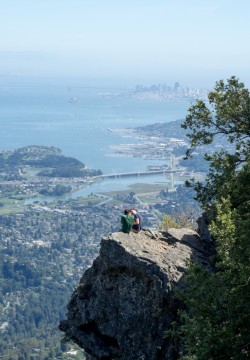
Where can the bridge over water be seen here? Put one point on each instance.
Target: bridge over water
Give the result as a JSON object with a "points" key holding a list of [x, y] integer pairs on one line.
{"points": [[137, 173]]}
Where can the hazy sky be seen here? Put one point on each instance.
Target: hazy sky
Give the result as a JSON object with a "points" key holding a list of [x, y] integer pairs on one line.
{"points": [[192, 41]]}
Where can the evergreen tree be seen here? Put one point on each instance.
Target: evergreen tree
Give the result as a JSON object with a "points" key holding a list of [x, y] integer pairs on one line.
{"points": [[216, 321], [228, 116]]}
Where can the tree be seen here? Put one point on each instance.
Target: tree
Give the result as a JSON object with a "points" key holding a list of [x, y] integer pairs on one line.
{"points": [[178, 220], [216, 320], [228, 115]]}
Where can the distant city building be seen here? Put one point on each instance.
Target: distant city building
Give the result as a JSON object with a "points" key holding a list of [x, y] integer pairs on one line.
{"points": [[166, 92]]}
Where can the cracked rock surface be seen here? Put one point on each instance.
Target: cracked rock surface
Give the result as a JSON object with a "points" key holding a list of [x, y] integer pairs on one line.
{"points": [[124, 303]]}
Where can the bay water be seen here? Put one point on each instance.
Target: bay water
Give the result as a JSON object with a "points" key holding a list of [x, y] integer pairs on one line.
{"points": [[76, 118]]}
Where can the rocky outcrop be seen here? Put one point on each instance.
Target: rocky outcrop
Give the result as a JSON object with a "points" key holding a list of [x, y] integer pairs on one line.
{"points": [[124, 303]]}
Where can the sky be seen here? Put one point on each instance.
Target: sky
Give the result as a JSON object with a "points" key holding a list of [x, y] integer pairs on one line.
{"points": [[195, 42]]}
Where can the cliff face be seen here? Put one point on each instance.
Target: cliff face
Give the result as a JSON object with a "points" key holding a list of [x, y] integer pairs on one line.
{"points": [[124, 303]]}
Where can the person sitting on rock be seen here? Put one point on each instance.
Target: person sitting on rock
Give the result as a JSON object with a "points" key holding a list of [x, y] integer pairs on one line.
{"points": [[137, 226], [127, 220]]}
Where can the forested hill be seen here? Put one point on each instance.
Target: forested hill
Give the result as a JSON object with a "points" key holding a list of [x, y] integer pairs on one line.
{"points": [[48, 160], [38, 155], [167, 129]]}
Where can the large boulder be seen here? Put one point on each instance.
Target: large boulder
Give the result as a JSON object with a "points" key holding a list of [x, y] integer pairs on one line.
{"points": [[124, 303]]}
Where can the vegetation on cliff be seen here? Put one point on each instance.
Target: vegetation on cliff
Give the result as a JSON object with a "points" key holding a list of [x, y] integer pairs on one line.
{"points": [[216, 322]]}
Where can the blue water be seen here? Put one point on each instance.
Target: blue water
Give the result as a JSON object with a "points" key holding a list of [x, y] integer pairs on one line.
{"points": [[40, 114], [105, 186]]}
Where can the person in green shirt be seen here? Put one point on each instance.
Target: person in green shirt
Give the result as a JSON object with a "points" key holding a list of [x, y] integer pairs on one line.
{"points": [[127, 220]]}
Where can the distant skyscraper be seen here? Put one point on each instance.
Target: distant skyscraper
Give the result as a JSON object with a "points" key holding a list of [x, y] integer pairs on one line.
{"points": [[176, 86]]}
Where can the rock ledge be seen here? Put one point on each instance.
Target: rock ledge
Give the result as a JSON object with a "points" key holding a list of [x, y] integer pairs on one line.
{"points": [[124, 303]]}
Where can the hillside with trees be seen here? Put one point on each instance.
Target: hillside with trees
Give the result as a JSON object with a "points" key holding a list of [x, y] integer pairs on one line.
{"points": [[216, 320], [48, 160]]}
